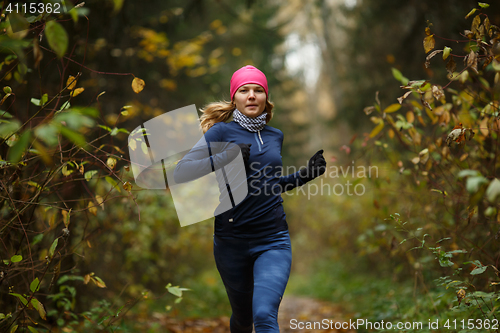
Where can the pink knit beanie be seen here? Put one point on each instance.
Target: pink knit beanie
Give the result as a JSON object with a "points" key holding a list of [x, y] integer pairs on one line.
{"points": [[246, 75]]}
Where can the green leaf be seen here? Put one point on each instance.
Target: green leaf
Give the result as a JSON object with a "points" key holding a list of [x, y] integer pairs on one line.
{"points": [[13, 329], [35, 101], [45, 99], [53, 247], [123, 130], [446, 52], [473, 183], [468, 172], [478, 270], [483, 4], [99, 282], [113, 183], [7, 129], [89, 174], [65, 106], [399, 76], [175, 290], [48, 133], [37, 239], [75, 137], [16, 258], [32, 329], [16, 152], [105, 127], [473, 10], [35, 285], [74, 119], [2, 316], [21, 298], [18, 22], [144, 146], [5, 114], [57, 37], [493, 190]]}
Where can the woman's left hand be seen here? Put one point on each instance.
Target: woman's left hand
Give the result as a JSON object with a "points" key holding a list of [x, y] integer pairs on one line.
{"points": [[315, 167]]}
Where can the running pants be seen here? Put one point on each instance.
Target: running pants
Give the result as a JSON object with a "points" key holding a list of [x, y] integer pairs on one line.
{"points": [[255, 273]]}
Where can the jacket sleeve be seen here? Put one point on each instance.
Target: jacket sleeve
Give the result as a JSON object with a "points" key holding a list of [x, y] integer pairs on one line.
{"points": [[208, 155], [289, 182]]}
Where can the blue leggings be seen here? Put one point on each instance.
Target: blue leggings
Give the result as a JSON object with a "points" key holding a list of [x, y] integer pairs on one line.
{"points": [[255, 273]]}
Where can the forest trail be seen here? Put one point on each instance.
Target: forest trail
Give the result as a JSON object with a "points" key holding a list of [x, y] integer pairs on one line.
{"points": [[302, 309]]}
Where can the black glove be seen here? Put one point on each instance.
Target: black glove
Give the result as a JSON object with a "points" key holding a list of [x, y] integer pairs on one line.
{"points": [[234, 150], [315, 167]]}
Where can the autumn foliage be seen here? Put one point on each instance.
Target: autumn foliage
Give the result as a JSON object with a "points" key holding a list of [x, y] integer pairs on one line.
{"points": [[444, 140]]}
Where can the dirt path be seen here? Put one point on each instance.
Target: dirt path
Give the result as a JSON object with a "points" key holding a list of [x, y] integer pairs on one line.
{"points": [[295, 312]]}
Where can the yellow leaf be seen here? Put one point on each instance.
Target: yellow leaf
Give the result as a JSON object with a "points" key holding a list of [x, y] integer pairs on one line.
{"points": [[127, 186], [132, 144], [111, 162], [97, 98], [483, 126], [429, 43], [138, 85], [92, 208], [77, 92], [86, 279], [66, 216], [460, 295], [65, 171], [39, 307], [71, 82], [410, 117], [377, 129], [99, 200], [392, 108], [98, 281]]}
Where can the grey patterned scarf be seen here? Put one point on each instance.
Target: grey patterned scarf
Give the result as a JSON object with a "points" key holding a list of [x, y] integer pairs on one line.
{"points": [[251, 124]]}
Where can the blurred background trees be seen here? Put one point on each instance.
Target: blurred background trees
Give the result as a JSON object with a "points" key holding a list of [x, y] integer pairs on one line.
{"points": [[82, 244]]}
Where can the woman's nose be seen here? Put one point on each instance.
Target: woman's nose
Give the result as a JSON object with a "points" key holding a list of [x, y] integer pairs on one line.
{"points": [[251, 94]]}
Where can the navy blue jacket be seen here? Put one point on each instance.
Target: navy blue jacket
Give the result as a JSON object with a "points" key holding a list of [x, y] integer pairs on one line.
{"points": [[261, 211]]}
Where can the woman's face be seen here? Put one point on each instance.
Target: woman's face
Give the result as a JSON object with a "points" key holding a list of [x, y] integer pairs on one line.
{"points": [[250, 99]]}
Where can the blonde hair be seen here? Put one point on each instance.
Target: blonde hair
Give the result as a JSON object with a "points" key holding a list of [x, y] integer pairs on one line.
{"points": [[221, 111]]}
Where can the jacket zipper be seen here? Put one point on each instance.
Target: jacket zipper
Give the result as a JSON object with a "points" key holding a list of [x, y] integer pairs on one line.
{"points": [[259, 140]]}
